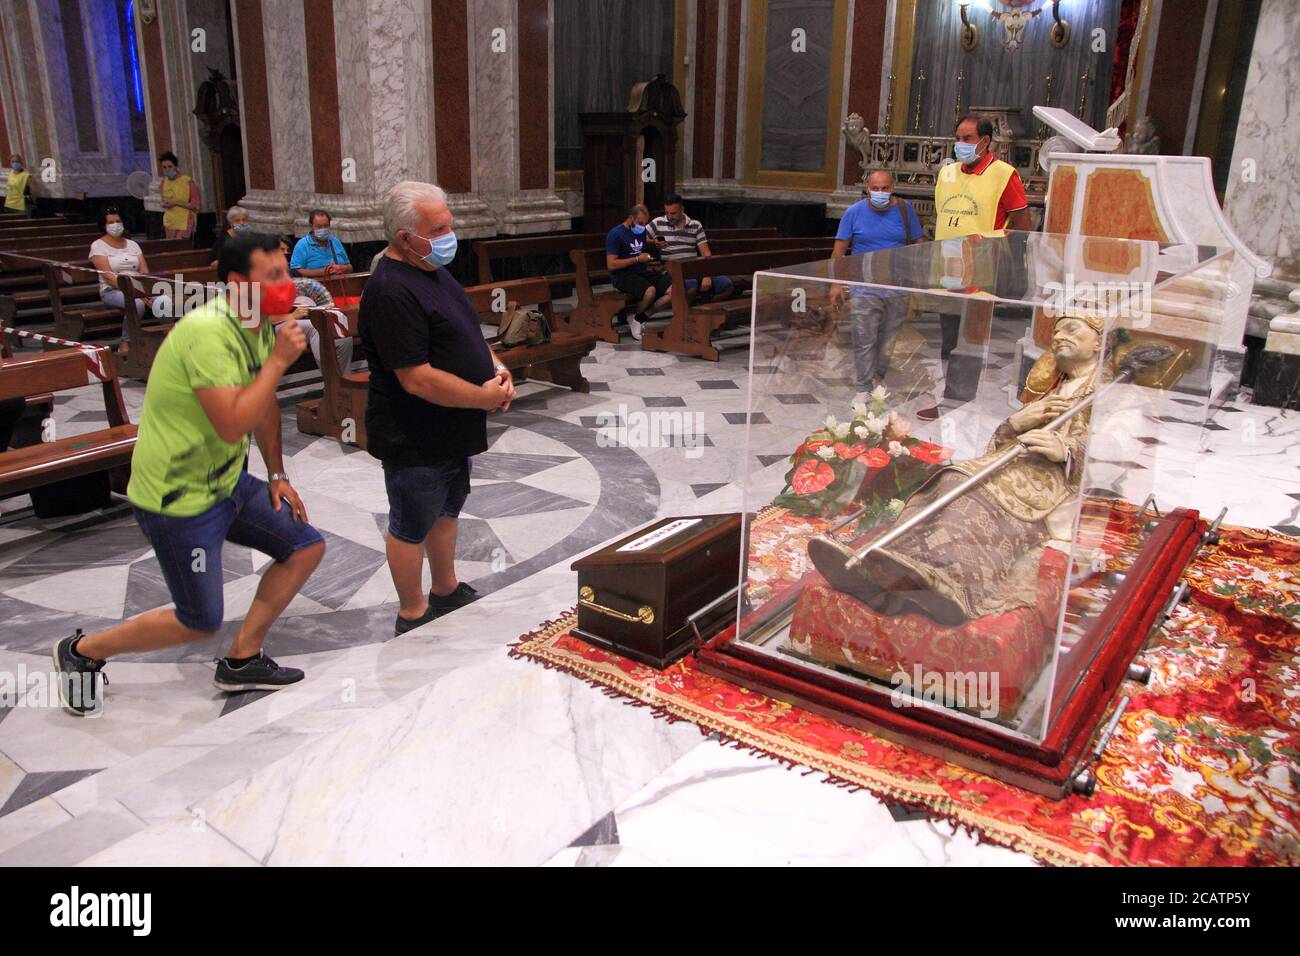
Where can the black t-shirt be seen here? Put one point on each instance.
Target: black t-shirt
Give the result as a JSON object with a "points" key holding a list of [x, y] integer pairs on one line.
{"points": [[412, 317]]}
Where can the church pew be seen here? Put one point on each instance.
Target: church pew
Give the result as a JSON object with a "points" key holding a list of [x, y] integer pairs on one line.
{"points": [[22, 276], [691, 328], [558, 361], [77, 321], [107, 449], [28, 243], [563, 246], [340, 412], [597, 310], [35, 227], [40, 406]]}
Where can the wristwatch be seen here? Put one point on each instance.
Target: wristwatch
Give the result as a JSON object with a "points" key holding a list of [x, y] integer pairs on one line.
{"points": [[277, 476], [499, 368]]}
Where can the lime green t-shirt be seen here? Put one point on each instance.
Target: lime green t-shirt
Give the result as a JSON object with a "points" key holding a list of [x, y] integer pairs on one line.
{"points": [[181, 466]]}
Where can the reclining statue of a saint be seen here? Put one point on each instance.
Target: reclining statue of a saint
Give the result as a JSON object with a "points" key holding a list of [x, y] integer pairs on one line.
{"points": [[979, 555]]}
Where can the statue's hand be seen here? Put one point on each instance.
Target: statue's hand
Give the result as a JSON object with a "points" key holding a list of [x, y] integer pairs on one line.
{"points": [[1039, 413], [1049, 445]]}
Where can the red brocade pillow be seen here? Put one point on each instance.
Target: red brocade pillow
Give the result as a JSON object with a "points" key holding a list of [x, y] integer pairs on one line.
{"points": [[839, 630]]}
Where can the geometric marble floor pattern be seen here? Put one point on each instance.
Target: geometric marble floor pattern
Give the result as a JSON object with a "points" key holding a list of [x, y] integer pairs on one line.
{"points": [[550, 487]]}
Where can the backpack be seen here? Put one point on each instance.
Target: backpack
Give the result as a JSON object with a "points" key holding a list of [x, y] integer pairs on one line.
{"points": [[522, 327]]}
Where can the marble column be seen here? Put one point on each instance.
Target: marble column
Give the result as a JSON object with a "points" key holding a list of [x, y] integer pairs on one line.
{"points": [[1263, 194], [341, 99], [63, 95]]}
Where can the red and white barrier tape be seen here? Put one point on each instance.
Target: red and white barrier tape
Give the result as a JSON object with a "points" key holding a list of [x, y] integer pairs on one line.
{"points": [[91, 354]]}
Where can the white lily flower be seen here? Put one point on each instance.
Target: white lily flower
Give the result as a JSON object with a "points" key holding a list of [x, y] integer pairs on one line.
{"points": [[826, 451], [841, 430]]}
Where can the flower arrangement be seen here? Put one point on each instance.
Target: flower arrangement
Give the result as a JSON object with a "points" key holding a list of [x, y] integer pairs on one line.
{"points": [[871, 460]]}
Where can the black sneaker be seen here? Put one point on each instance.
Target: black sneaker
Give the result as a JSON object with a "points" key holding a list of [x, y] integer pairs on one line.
{"points": [[81, 680], [464, 594], [403, 624], [261, 673]]}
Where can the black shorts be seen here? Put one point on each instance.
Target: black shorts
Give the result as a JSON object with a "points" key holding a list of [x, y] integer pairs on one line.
{"points": [[634, 284]]}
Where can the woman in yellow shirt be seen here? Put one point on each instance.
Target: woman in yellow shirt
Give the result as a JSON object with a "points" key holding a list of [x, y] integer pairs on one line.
{"points": [[20, 186], [180, 199]]}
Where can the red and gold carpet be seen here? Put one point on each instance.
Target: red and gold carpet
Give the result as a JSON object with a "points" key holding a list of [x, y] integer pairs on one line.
{"points": [[1204, 769]]}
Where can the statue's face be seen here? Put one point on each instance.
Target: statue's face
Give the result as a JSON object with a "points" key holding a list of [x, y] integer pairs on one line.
{"points": [[855, 122], [1074, 340]]}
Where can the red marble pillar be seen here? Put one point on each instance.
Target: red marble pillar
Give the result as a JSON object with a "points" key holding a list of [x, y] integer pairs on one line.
{"points": [[155, 80], [1173, 72], [253, 94], [535, 150], [323, 96], [451, 95], [866, 54], [705, 89]]}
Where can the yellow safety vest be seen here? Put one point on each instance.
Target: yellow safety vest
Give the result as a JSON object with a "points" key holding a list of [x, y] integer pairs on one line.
{"points": [[966, 203], [177, 190], [16, 197]]}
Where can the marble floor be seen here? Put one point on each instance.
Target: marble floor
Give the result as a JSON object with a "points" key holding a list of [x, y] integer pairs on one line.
{"points": [[438, 747]]}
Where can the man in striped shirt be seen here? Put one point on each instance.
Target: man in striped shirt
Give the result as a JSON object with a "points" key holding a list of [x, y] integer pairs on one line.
{"points": [[681, 237]]}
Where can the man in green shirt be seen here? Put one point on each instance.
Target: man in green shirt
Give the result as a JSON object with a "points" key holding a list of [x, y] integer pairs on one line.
{"points": [[211, 386]]}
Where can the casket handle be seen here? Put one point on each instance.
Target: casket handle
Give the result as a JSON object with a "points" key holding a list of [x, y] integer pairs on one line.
{"points": [[587, 598]]}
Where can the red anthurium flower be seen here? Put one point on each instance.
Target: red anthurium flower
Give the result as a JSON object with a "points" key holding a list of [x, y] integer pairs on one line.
{"points": [[849, 452], [930, 453], [812, 476], [877, 458]]}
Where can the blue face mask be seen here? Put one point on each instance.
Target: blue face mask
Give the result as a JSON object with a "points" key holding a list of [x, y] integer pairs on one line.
{"points": [[321, 234], [637, 230], [879, 199], [965, 152], [16, 167], [171, 173], [441, 250]]}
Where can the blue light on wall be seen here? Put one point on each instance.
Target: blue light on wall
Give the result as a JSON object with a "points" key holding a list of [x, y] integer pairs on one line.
{"points": [[136, 85]]}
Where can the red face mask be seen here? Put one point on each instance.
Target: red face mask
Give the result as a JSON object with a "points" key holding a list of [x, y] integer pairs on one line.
{"points": [[277, 297]]}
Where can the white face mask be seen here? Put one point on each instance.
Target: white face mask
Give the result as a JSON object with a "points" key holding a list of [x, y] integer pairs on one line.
{"points": [[115, 229]]}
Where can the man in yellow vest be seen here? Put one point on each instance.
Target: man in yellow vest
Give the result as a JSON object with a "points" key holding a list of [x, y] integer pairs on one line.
{"points": [[19, 189], [180, 199], [978, 193]]}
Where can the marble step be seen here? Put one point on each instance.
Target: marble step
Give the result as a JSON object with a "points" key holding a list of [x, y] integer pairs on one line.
{"points": [[438, 739]]}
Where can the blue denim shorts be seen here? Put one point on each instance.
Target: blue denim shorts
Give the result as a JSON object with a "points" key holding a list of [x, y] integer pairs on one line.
{"points": [[189, 548], [418, 495]]}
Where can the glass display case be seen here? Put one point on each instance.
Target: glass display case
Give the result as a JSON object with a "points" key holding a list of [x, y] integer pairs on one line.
{"points": [[964, 550]]}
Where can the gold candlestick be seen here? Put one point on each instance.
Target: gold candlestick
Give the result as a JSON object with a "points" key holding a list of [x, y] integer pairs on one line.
{"points": [[1083, 93], [889, 107], [961, 77], [1047, 101], [916, 115]]}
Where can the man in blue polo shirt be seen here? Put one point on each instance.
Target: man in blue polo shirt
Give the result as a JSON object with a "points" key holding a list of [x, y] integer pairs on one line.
{"points": [[879, 221], [319, 253]]}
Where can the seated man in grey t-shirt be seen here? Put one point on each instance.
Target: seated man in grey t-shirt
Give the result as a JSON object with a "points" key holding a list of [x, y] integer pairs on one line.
{"points": [[681, 237]]}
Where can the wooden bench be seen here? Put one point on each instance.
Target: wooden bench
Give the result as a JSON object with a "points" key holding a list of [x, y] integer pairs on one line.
{"points": [[597, 310], [340, 412], [558, 361], [33, 227], [561, 247], [78, 321], [29, 243], [30, 427], [24, 279], [691, 328], [108, 449]]}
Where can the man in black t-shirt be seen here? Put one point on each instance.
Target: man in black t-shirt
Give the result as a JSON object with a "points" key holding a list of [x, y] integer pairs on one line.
{"points": [[433, 380]]}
